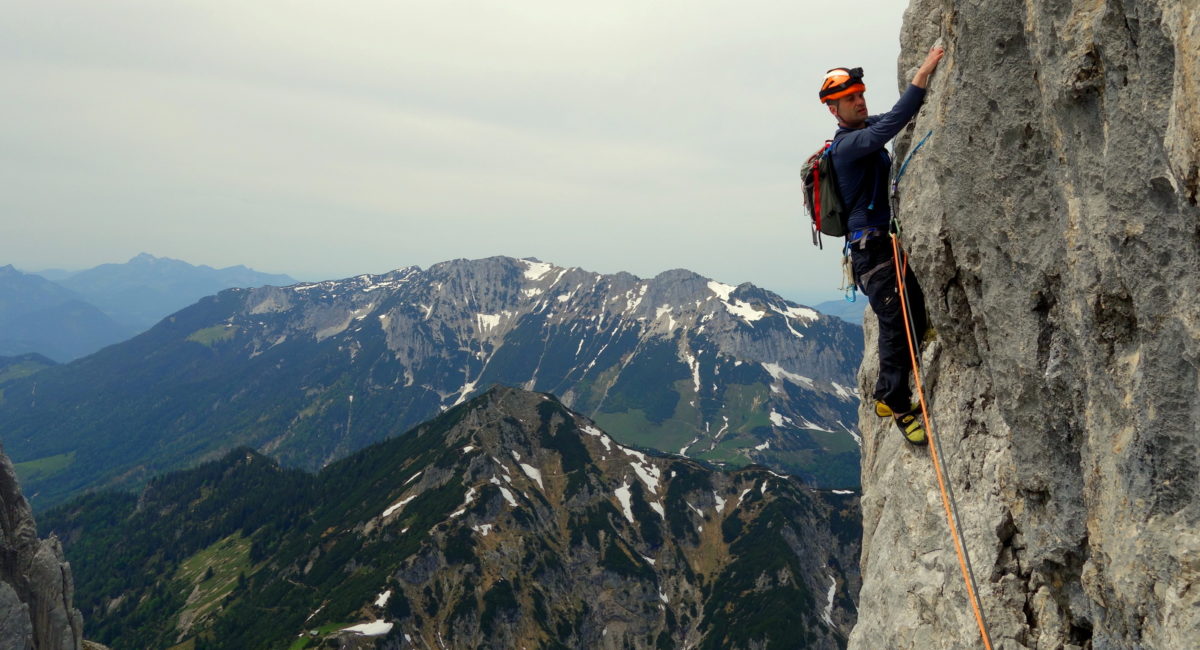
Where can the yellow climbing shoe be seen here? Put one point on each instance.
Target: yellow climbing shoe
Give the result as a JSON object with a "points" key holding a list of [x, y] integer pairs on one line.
{"points": [[911, 426], [885, 411]]}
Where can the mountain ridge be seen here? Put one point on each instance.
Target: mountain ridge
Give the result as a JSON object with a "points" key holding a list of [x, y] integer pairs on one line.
{"points": [[141, 291], [311, 372], [40, 316], [506, 521]]}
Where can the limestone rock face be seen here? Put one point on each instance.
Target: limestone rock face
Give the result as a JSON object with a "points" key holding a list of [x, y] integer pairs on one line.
{"points": [[36, 589], [1052, 218]]}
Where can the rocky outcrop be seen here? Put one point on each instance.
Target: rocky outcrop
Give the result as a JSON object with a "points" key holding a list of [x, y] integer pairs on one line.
{"points": [[36, 589], [1053, 220], [589, 544]]}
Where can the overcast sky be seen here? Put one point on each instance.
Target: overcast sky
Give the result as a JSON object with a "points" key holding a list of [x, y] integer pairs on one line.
{"points": [[325, 139]]}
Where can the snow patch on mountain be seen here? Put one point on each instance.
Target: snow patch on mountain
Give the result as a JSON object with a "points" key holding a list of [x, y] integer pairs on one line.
{"points": [[623, 496], [644, 469], [805, 424], [377, 628], [533, 473], [745, 311], [853, 433], [535, 270], [463, 392], [396, 506], [843, 392], [649, 475], [827, 615], [466, 502], [723, 429], [633, 301], [658, 507], [665, 310], [695, 367], [487, 322], [382, 599], [604, 439], [722, 290], [779, 374], [799, 313]]}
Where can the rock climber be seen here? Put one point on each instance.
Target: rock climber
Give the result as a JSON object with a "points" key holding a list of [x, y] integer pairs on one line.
{"points": [[862, 164]]}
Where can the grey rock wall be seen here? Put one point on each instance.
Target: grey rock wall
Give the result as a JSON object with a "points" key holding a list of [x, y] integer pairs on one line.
{"points": [[1053, 220], [36, 588]]}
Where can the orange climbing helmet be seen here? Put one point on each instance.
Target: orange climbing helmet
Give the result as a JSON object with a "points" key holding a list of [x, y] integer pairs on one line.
{"points": [[840, 82]]}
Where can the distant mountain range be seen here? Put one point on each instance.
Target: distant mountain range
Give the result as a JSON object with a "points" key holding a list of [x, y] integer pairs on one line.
{"points": [[142, 291], [310, 373], [509, 521], [68, 315], [39, 316]]}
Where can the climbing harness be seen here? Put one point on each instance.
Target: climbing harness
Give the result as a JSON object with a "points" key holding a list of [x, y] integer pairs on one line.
{"points": [[860, 238], [948, 502]]}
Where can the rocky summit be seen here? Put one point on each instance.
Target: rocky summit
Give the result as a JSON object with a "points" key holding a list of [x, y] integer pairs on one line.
{"points": [[312, 372], [1052, 218], [507, 522]]}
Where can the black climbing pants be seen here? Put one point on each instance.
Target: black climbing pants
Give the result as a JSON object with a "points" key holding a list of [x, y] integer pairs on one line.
{"points": [[875, 273]]}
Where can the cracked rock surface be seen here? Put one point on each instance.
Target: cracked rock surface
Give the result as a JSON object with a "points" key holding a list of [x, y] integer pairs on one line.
{"points": [[36, 588], [1052, 218]]}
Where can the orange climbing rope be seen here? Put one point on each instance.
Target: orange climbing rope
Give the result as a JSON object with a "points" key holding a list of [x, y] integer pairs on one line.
{"points": [[964, 560]]}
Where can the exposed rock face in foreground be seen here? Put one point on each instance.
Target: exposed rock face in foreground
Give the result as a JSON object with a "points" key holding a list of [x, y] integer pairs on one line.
{"points": [[1053, 221], [36, 589]]}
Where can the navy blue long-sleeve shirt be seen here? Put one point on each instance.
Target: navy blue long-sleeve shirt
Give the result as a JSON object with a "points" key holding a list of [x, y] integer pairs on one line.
{"points": [[863, 165]]}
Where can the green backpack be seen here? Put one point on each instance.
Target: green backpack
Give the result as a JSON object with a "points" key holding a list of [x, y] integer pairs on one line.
{"points": [[822, 196]]}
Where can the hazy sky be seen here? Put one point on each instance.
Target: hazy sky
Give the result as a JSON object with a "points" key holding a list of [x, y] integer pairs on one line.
{"points": [[326, 139]]}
